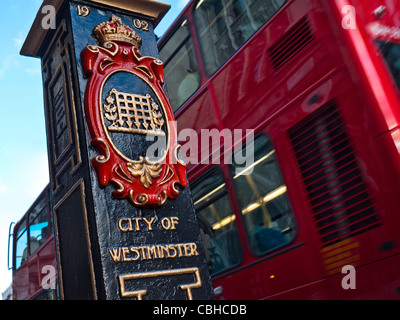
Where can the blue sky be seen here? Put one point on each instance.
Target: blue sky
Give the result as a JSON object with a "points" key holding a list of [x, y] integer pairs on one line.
{"points": [[23, 150]]}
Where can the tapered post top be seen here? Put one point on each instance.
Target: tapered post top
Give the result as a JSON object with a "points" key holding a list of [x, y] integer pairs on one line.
{"points": [[150, 8]]}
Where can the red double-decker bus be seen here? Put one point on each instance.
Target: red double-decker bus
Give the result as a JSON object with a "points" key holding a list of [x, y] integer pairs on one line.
{"points": [[318, 81], [33, 253], [315, 214]]}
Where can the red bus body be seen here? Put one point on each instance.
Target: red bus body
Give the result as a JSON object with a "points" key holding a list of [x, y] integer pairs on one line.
{"points": [[30, 270], [340, 64]]}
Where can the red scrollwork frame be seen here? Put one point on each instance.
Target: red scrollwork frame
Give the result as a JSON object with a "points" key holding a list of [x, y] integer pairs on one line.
{"points": [[132, 180]]}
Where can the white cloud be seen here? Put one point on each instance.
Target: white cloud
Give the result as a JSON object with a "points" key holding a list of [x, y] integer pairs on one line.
{"points": [[39, 176], [3, 187], [9, 63], [33, 71], [18, 42]]}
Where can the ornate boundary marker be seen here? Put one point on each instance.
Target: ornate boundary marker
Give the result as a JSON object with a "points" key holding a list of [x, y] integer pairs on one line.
{"points": [[124, 219]]}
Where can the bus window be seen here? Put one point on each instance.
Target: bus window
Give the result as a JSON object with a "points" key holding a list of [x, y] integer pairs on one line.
{"points": [[38, 225], [262, 196], [391, 53], [224, 26], [217, 222], [21, 250], [180, 66]]}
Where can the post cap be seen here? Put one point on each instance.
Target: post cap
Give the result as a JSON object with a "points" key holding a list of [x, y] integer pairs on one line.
{"points": [[151, 8]]}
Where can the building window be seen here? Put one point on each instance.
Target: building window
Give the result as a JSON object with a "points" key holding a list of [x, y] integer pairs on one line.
{"points": [[180, 66], [262, 197], [217, 222], [225, 25]]}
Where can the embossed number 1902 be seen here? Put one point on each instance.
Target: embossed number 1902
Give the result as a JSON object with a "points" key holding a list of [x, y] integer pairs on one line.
{"points": [[141, 24], [83, 11]]}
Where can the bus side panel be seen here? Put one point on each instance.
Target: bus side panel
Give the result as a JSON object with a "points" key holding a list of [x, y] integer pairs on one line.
{"points": [[21, 283], [191, 121], [275, 99], [278, 273], [47, 264], [29, 276], [261, 88], [378, 281]]}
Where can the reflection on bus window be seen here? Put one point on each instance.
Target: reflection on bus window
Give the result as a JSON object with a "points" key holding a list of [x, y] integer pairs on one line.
{"points": [[21, 250], [263, 200], [38, 225], [391, 53], [225, 25], [217, 222], [180, 67]]}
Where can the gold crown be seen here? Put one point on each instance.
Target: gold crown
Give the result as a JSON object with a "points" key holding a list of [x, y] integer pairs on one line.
{"points": [[115, 30]]}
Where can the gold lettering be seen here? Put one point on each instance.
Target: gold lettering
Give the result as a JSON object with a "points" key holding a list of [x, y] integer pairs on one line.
{"points": [[165, 249], [149, 223], [174, 221], [137, 223], [143, 253], [169, 223], [166, 224], [180, 249], [194, 249], [188, 250], [172, 247], [125, 251], [84, 11], [135, 250], [152, 253], [160, 253], [122, 228], [141, 24], [115, 254]]}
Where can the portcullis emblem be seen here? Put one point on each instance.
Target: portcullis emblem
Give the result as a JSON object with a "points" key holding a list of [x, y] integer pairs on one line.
{"points": [[128, 114]]}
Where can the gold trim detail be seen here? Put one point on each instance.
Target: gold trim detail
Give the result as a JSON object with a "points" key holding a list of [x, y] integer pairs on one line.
{"points": [[164, 273], [162, 199], [176, 153], [102, 158], [83, 11], [68, 157], [105, 47], [122, 174], [37, 34], [116, 30], [165, 179], [80, 185], [142, 199], [145, 170], [133, 113]]}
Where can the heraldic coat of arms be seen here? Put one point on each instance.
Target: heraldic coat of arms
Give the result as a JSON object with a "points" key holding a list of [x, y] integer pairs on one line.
{"points": [[128, 113]]}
